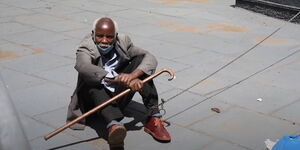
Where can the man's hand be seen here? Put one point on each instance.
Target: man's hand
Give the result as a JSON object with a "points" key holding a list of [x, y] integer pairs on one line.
{"points": [[136, 84], [124, 79], [130, 80]]}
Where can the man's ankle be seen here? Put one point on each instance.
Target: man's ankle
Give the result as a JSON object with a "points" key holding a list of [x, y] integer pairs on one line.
{"points": [[113, 122]]}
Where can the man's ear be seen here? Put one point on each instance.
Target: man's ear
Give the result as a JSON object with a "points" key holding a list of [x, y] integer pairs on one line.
{"points": [[93, 35]]}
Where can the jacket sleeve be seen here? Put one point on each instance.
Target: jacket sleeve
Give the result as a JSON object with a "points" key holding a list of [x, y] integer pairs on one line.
{"points": [[149, 62], [91, 73]]}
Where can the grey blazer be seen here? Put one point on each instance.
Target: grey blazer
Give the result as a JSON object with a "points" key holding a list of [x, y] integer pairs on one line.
{"points": [[90, 70]]}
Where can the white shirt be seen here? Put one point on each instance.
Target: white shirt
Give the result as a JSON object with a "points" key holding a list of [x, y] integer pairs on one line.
{"points": [[110, 67]]}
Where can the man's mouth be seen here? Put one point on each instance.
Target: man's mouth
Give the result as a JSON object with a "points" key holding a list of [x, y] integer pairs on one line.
{"points": [[104, 45]]}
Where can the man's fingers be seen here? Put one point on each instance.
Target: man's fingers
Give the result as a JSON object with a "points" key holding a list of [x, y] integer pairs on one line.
{"points": [[140, 85], [123, 79], [110, 80], [136, 85], [127, 82]]}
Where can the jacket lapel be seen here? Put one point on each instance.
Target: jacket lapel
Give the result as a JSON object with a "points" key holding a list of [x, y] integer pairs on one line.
{"points": [[97, 58]]}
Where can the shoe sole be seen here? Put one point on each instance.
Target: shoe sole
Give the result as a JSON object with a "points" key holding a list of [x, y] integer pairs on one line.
{"points": [[157, 139], [116, 138]]}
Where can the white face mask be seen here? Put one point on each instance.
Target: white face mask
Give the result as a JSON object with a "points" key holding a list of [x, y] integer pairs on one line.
{"points": [[105, 50]]}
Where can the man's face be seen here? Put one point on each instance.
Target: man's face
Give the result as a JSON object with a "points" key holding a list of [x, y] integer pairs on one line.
{"points": [[104, 34]]}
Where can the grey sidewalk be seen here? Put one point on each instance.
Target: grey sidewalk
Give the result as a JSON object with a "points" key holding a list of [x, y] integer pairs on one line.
{"points": [[38, 40]]}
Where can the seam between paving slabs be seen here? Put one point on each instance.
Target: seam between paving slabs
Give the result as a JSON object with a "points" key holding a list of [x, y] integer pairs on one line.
{"points": [[212, 136]]}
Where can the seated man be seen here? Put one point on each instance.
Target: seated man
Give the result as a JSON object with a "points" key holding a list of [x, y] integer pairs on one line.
{"points": [[108, 63]]}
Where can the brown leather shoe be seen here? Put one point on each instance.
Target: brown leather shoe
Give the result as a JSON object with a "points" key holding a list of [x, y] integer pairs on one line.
{"points": [[116, 135], [156, 129]]}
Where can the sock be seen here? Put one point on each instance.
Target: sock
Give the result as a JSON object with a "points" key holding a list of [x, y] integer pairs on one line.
{"points": [[114, 122]]}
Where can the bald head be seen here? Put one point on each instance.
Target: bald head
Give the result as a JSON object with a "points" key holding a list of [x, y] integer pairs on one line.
{"points": [[104, 33], [105, 22]]}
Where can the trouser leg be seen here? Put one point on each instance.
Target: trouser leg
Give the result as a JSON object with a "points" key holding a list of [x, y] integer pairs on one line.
{"points": [[148, 92], [150, 98], [99, 95]]}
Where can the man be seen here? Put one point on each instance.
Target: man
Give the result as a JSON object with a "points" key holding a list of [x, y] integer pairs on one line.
{"points": [[108, 63]]}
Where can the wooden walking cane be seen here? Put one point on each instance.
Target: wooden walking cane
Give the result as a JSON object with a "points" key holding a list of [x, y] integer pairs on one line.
{"points": [[60, 129]]}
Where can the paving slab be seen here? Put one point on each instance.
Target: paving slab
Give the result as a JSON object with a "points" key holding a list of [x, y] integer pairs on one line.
{"points": [[194, 38], [175, 66], [146, 16], [176, 12], [207, 16], [35, 37], [289, 112], [2, 42], [88, 5], [56, 10], [61, 26], [36, 19], [41, 98], [9, 28], [272, 97], [11, 51], [19, 80], [182, 139], [39, 62], [162, 88], [33, 128], [142, 42], [245, 128], [224, 145], [131, 14], [163, 49], [204, 41], [89, 17], [215, 84], [185, 100], [78, 34], [8, 11], [198, 111], [61, 141], [183, 4], [223, 45], [238, 71], [288, 31], [83, 17], [65, 48], [53, 118], [145, 30], [6, 19], [57, 118], [185, 78], [205, 58], [282, 77], [262, 61], [68, 79], [27, 4]]}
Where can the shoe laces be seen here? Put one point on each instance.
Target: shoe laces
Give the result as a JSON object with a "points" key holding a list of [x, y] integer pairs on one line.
{"points": [[158, 122]]}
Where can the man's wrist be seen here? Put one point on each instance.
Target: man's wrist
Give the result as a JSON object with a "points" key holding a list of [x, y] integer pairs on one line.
{"points": [[137, 73]]}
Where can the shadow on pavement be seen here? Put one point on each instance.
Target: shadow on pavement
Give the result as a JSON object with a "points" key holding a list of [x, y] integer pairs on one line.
{"points": [[134, 110]]}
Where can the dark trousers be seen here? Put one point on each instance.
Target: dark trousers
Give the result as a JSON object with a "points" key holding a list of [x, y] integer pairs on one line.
{"points": [[100, 94]]}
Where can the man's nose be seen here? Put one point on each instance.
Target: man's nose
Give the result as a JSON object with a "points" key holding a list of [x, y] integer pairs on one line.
{"points": [[104, 40]]}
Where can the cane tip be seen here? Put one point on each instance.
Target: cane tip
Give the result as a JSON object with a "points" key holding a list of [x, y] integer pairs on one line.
{"points": [[46, 138]]}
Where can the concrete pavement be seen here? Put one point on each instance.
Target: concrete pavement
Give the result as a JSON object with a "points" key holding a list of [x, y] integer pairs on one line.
{"points": [[38, 40]]}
